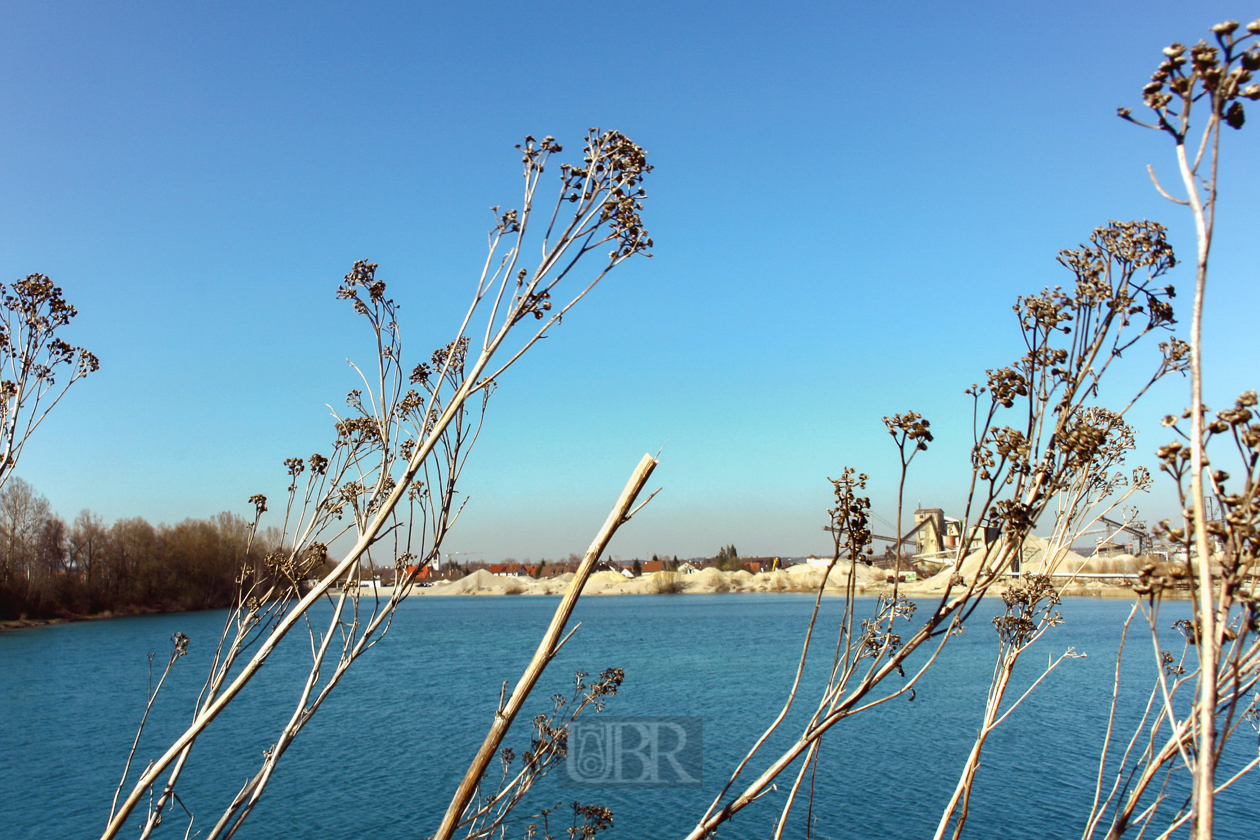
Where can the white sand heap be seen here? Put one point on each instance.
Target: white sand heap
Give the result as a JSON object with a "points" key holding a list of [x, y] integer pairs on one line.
{"points": [[1116, 564], [706, 581], [479, 582], [1037, 557]]}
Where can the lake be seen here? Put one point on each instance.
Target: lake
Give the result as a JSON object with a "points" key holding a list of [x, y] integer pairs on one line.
{"points": [[384, 755]]}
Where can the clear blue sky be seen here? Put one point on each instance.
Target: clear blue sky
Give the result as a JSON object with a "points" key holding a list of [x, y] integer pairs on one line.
{"points": [[847, 199]]}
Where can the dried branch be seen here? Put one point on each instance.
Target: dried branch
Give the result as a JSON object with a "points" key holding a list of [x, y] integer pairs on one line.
{"points": [[546, 650]]}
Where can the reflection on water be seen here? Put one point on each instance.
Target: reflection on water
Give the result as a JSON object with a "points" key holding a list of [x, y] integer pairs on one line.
{"points": [[384, 754]]}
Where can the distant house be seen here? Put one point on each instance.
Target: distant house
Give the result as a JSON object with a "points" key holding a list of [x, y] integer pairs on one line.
{"points": [[760, 564], [511, 570], [426, 575], [552, 570]]}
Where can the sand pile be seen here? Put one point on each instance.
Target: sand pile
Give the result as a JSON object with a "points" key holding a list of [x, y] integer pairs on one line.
{"points": [[623, 585], [778, 581], [1117, 564], [601, 581], [482, 582], [479, 582], [865, 574], [973, 563], [551, 586], [802, 578], [805, 578], [707, 582], [1038, 558]]}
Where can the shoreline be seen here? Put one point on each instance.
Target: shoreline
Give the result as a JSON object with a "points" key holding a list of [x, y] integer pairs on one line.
{"points": [[135, 612], [798, 579], [1108, 593], [801, 580]]}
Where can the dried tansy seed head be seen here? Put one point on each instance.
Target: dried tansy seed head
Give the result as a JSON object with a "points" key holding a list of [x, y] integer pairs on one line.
{"points": [[362, 276], [850, 518], [1029, 602], [32, 354], [1005, 385], [912, 426], [1215, 76]]}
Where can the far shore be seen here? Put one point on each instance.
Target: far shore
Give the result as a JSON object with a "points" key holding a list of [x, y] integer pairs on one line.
{"points": [[46, 621], [800, 579]]}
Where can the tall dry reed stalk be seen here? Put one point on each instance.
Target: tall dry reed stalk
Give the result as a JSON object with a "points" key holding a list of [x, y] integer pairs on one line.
{"points": [[1059, 458], [390, 481], [1193, 95]]}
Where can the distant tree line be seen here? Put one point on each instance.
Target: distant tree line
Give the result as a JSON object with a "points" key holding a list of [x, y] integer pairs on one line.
{"points": [[50, 569]]}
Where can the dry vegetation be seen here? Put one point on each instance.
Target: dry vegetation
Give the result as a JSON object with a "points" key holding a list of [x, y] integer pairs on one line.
{"points": [[1047, 454]]}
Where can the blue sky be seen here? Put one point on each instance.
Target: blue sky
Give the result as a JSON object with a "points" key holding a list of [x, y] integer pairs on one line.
{"points": [[846, 201]]}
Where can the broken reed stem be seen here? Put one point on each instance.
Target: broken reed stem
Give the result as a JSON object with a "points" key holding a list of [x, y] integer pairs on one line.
{"points": [[547, 649]]}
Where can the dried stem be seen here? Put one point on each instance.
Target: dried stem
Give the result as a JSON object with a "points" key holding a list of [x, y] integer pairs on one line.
{"points": [[546, 650], [395, 446]]}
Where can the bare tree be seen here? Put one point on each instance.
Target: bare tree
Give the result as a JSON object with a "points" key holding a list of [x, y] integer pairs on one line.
{"points": [[1090, 493], [1046, 452], [23, 515], [1069, 451], [87, 538]]}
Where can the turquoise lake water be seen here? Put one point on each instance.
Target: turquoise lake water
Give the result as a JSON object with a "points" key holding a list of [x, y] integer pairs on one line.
{"points": [[384, 754]]}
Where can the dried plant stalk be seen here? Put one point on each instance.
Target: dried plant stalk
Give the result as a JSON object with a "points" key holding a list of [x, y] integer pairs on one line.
{"points": [[32, 310], [548, 647], [399, 445], [1214, 79], [1061, 458]]}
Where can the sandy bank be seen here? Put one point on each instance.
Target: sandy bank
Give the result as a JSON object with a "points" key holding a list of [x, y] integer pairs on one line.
{"points": [[869, 581]]}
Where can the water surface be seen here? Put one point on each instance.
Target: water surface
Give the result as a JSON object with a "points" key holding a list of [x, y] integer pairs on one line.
{"points": [[384, 754]]}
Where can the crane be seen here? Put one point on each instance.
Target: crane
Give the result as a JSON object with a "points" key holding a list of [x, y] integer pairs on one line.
{"points": [[450, 555]]}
